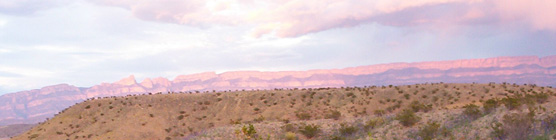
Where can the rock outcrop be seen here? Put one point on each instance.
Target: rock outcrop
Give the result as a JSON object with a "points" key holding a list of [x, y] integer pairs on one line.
{"points": [[35, 105]]}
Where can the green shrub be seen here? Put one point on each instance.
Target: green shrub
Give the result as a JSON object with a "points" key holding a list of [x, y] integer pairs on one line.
{"points": [[347, 130], [472, 111], [490, 105], [416, 106], [334, 115], [373, 123], [541, 97], [407, 96], [511, 103], [518, 125], [290, 136], [429, 131], [289, 128], [379, 112], [303, 115], [407, 117], [259, 119], [310, 131], [248, 131]]}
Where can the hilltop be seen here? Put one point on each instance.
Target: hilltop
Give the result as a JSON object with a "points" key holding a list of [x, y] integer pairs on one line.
{"points": [[35, 105], [419, 111]]}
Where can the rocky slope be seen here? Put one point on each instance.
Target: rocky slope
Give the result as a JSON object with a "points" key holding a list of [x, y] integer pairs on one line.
{"points": [[35, 105]]}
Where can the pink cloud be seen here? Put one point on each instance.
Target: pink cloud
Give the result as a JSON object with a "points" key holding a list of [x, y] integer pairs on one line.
{"points": [[291, 18], [540, 14]]}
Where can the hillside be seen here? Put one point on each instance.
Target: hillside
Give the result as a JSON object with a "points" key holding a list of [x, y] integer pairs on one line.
{"points": [[420, 111], [13, 130], [35, 105]]}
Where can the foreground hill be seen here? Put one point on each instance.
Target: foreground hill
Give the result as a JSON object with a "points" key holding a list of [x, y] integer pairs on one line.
{"points": [[35, 105], [421, 111]]}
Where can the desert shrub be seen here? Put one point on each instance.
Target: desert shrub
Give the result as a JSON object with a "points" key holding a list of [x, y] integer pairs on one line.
{"points": [[347, 130], [407, 117], [373, 123], [180, 117], [248, 131], [259, 119], [511, 103], [334, 114], [289, 128], [471, 111], [406, 96], [429, 131], [490, 105], [379, 112], [310, 131], [290, 136], [541, 97], [256, 109], [350, 94], [303, 115], [548, 124], [416, 106], [88, 106], [514, 126]]}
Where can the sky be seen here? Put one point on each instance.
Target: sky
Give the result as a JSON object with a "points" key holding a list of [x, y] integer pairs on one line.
{"points": [[87, 42]]}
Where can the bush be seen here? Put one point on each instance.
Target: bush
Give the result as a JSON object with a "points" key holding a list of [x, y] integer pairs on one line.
{"points": [[490, 105], [310, 131], [406, 96], [416, 106], [346, 130], [290, 136], [180, 117], [379, 112], [518, 125], [373, 123], [303, 115], [248, 131], [259, 119], [541, 97], [407, 117], [428, 132], [334, 115], [289, 128], [511, 103], [472, 111]]}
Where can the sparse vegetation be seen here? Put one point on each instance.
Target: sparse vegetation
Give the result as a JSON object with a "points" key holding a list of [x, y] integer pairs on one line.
{"points": [[449, 111]]}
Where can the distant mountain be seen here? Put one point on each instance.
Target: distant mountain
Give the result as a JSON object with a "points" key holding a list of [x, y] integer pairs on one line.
{"points": [[35, 105]]}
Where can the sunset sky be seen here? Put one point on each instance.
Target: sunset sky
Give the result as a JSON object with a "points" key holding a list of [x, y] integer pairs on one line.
{"points": [[86, 42]]}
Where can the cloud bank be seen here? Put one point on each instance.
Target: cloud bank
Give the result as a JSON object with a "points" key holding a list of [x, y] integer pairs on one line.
{"points": [[292, 18]]}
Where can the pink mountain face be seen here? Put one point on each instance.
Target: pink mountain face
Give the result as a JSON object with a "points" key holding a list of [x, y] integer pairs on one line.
{"points": [[35, 105]]}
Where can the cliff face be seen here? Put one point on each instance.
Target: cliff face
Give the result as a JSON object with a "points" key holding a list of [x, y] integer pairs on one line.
{"points": [[35, 105]]}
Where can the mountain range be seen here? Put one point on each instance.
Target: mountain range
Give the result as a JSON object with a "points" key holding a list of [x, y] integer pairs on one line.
{"points": [[36, 105]]}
